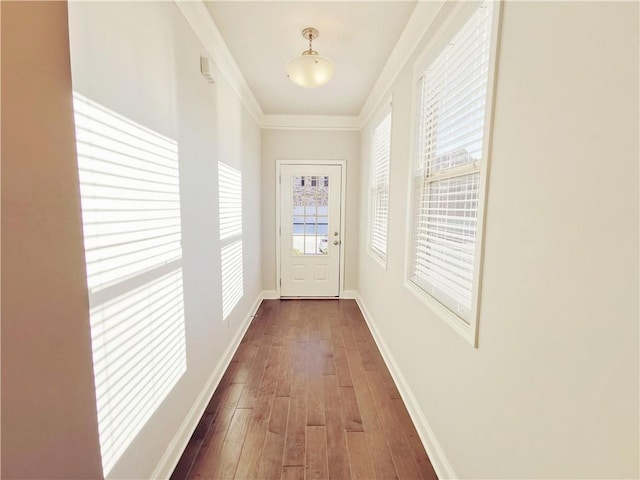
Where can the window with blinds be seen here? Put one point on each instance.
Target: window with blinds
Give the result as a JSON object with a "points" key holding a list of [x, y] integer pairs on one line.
{"points": [[379, 187], [230, 197], [448, 166]]}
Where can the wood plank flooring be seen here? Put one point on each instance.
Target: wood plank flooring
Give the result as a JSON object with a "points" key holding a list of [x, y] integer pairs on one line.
{"points": [[306, 396]]}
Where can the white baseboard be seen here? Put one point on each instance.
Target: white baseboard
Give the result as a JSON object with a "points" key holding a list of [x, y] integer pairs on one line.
{"points": [[273, 295], [436, 454], [174, 451]]}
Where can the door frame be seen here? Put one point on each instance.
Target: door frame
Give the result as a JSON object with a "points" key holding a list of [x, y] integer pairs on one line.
{"points": [[343, 206]]}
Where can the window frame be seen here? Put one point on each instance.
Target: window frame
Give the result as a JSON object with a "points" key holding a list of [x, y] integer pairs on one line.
{"points": [[386, 110], [457, 18]]}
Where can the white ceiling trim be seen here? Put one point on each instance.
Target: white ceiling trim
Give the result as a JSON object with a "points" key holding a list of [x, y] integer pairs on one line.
{"points": [[419, 23], [311, 122], [205, 28]]}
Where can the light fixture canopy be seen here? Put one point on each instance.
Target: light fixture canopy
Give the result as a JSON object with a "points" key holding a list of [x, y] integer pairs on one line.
{"points": [[310, 70]]}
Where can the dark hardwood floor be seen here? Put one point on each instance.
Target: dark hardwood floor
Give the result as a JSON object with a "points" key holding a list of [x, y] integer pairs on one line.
{"points": [[307, 396]]}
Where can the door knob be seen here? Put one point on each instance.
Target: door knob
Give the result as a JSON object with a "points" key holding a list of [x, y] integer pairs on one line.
{"points": [[335, 234], [336, 242]]}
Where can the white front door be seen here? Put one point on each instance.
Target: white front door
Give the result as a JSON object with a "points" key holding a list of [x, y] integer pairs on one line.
{"points": [[310, 237]]}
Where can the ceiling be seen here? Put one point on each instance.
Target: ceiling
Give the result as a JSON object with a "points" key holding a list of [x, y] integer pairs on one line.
{"points": [[358, 36]]}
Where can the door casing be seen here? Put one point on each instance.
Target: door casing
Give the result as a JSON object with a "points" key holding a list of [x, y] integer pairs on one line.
{"points": [[343, 197]]}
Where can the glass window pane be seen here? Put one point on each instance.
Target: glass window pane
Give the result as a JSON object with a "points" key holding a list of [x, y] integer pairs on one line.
{"points": [[323, 243], [323, 225], [309, 220]]}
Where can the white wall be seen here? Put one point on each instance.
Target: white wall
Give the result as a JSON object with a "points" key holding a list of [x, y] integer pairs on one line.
{"points": [[142, 60], [309, 145], [49, 427], [552, 390]]}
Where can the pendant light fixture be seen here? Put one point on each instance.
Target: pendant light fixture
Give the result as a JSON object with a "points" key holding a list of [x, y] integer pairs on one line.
{"points": [[310, 70]]}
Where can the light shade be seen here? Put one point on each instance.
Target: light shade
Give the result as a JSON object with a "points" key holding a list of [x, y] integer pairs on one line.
{"points": [[310, 70]]}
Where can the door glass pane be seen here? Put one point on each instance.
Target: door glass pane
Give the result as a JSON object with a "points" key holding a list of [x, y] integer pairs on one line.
{"points": [[309, 215]]}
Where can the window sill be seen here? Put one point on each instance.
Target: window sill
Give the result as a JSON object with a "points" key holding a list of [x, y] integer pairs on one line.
{"points": [[378, 259], [456, 323]]}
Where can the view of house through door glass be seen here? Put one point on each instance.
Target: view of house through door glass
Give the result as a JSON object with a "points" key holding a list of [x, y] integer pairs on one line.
{"points": [[310, 215], [310, 237]]}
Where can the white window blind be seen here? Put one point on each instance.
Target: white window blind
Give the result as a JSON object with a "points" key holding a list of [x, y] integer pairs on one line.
{"points": [[379, 189], [451, 107], [230, 198]]}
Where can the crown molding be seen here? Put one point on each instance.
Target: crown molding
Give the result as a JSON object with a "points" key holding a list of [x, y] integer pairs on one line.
{"points": [[310, 122], [419, 23], [205, 28]]}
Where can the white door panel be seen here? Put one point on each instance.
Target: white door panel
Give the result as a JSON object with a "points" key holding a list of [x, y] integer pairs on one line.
{"points": [[310, 237]]}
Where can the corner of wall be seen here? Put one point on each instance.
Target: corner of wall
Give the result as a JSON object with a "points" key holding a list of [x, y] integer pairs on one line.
{"points": [[49, 418]]}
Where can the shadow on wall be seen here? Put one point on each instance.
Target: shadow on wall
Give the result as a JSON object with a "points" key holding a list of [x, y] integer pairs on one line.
{"points": [[129, 183], [230, 202], [230, 196]]}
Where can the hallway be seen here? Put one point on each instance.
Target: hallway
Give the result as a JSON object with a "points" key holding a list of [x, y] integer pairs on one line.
{"points": [[307, 395]]}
